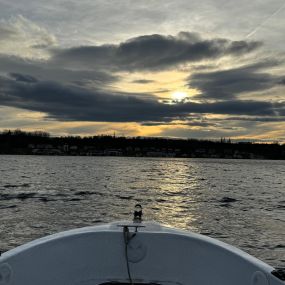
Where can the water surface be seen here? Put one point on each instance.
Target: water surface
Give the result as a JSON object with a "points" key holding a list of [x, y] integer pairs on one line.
{"points": [[240, 202]]}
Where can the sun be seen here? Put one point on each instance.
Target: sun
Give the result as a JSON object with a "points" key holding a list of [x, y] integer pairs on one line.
{"points": [[179, 95]]}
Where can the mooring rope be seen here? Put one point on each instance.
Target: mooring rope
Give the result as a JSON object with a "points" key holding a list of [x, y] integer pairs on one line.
{"points": [[127, 239]]}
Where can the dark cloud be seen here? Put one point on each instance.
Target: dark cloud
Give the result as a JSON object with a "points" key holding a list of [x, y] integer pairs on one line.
{"points": [[152, 52], [192, 123], [228, 84], [45, 70], [257, 119], [204, 121], [282, 81], [67, 102], [143, 81], [23, 77], [6, 33]]}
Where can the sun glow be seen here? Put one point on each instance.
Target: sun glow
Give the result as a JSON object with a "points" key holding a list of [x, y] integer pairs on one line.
{"points": [[179, 95]]}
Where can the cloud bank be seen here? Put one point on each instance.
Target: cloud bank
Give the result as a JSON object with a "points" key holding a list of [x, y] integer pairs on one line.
{"points": [[66, 102], [228, 84], [152, 52]]}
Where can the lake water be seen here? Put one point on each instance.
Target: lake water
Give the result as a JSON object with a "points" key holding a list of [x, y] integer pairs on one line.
{"points": [[240, 202]]}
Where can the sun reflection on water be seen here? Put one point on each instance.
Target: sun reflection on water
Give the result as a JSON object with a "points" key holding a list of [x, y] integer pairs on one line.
{"points": [[176, 200]]}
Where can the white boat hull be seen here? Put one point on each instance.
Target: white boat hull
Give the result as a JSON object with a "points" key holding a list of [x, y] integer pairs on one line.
{"points": [[156, 254]]}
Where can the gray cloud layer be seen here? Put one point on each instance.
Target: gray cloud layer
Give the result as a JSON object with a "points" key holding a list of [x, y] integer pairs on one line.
{"points": [[228, 84], [152, 52], [63, 102], [45, 70]]}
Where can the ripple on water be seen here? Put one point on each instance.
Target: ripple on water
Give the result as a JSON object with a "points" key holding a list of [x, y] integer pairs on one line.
{"points": [[228, 200], [7, 207], [20, 196]]}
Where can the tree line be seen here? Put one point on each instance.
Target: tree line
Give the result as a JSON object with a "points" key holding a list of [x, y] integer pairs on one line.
{"points": [[22, 142]]}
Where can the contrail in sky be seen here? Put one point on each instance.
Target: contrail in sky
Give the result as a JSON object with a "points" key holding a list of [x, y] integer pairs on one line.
{"points": [[265, 21]]}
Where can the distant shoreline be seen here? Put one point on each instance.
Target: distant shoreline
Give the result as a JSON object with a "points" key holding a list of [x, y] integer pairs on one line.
{"points": [[40, 143], [125, 156]]}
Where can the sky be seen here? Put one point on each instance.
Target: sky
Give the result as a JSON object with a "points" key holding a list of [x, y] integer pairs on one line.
{"points": [[184, 69]]}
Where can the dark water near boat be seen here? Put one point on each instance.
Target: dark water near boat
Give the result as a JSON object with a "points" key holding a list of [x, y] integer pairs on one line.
{"points": [[241, 202]]}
